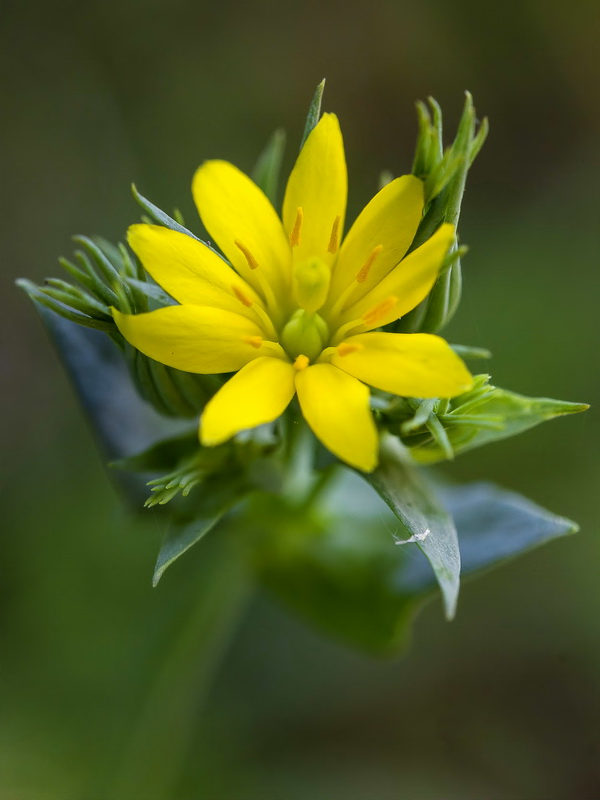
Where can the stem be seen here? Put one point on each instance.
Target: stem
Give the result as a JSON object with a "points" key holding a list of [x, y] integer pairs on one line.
{"points": [[155, 757], [321, 484]]}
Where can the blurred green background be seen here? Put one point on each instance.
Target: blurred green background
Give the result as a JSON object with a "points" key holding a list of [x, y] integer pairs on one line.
{"points": [[103, 678]]}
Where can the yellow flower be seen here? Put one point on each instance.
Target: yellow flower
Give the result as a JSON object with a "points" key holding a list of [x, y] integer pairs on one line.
{"points": [[296, 311]]}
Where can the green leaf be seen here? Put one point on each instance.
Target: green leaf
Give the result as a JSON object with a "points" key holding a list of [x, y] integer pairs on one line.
{"points": [[423, 518], [495, 525], [121, 422], [161, 456], [314, 112], [343, 571], [485, 415], [268, 167], [219, 495]]}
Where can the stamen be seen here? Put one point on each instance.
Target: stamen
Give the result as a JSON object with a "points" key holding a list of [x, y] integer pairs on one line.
{"points": [[379, 311], [301, 363], [364, 270], [334, 239], [243, 298], [344, 349], [253, 341], [252, 262], [346, 330], [265, 321], [295, 235], [267, 291]]}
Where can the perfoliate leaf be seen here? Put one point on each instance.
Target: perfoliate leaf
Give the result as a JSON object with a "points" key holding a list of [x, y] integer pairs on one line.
{"points": [[344, 572], [422, 517], [120, 420], [495, 525]]}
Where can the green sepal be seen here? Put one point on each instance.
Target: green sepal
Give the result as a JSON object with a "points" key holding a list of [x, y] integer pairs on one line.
{"points": [[314, 112], [218, 495], [268, 167], [160, 217], [152, 291], [172, 392], [201, 465], [444, 173], [423, 519], [107, 276], [51, 299], [157, 215], [482, 415]]}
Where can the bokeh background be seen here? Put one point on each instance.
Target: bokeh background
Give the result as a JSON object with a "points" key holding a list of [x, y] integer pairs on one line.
{"points": [[103, 692]]}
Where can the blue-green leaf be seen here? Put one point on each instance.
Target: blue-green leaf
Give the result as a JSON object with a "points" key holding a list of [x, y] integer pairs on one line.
{"points": [[342, 571], [424, 520], [122, 423]]}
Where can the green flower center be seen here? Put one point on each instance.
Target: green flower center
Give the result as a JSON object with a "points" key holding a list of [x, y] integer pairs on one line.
{"points": [[305, 334]]}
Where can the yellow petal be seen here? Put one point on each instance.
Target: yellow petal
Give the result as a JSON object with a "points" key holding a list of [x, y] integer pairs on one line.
{"points": [[260, 392], [189, 271], [318, 185], [233, 209], [195, 338], [407, 364], [336, 407], [406, 285], [389, 223]]}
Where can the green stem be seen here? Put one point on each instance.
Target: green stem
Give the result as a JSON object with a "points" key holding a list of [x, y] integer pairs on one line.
{"points": [[321, 484], [155, 757]]}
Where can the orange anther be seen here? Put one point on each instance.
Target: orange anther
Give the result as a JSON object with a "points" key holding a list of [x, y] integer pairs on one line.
{"points": [[334, 239], [253, 341], [344, 349], [252, 262], [379, 311], [364, 270], [295, 235], [301, 363], [243, 298]]}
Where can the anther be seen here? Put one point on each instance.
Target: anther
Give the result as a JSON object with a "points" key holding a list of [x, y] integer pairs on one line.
{"points": [[295, 235], [252, 262], [253, 341], [379, 311], [366, 267], [334, 239], [344, 349], [301, 363], [243, 298]]}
